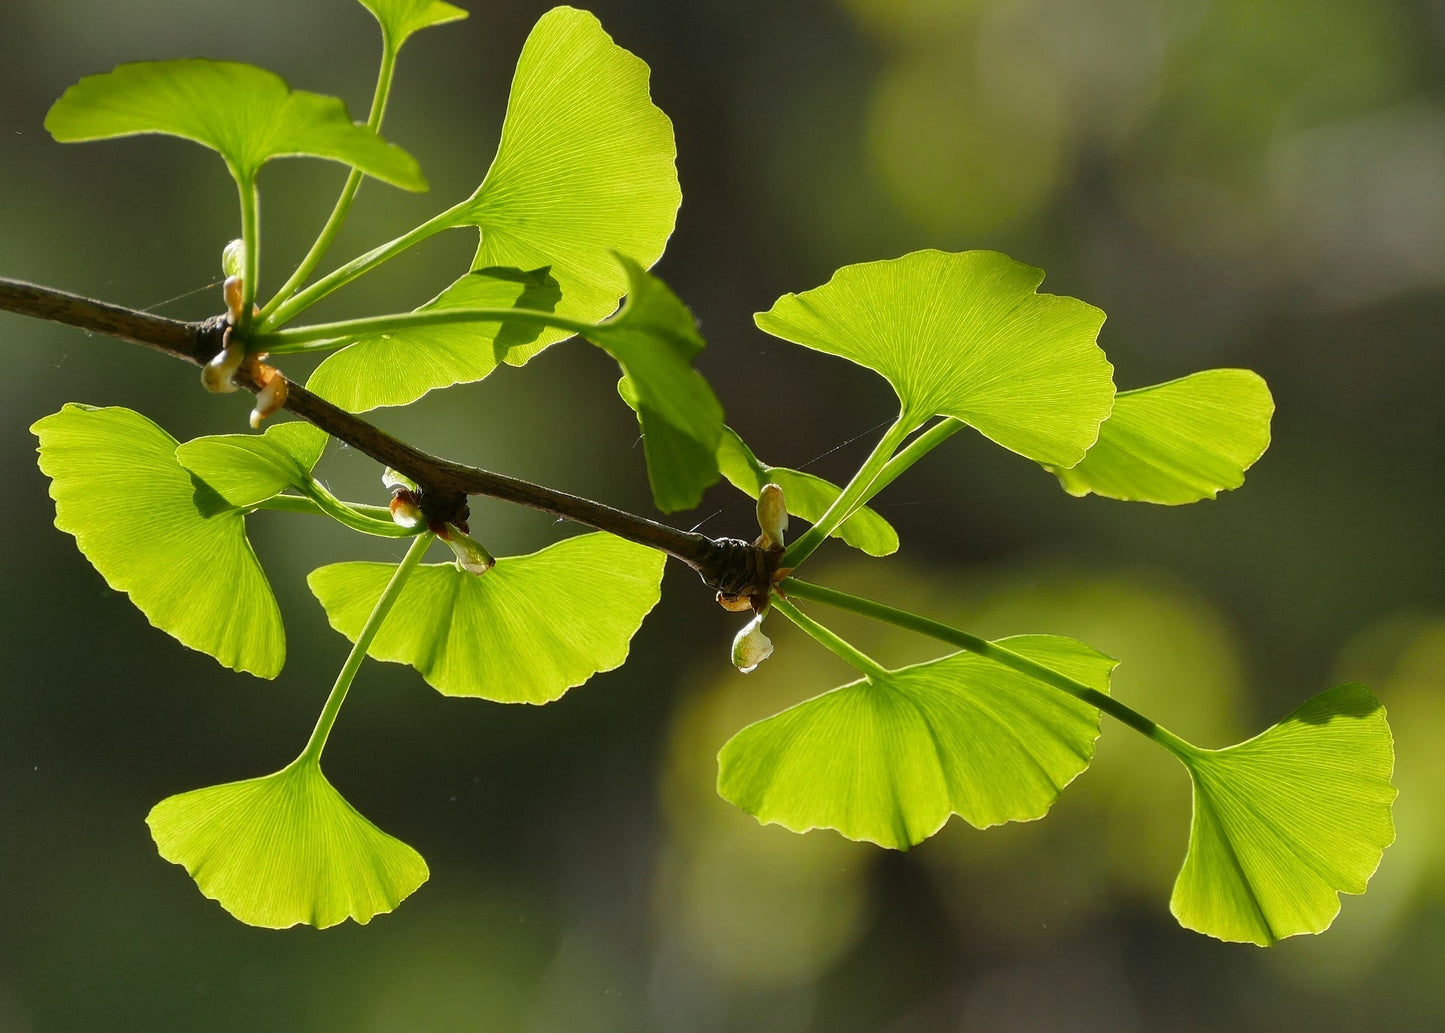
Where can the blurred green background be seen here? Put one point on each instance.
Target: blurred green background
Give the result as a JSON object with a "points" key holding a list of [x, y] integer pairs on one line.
{"points": [[1242, 182]]}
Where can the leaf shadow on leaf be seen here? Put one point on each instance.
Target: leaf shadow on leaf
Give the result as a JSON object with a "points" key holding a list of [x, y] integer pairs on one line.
{"points": [[1341, 705], [208, 501], [540, 292]]}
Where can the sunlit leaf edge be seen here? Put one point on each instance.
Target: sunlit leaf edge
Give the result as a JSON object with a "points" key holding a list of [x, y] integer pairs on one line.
{"points": [[1369, 775], [902, 836], [233, 841]]}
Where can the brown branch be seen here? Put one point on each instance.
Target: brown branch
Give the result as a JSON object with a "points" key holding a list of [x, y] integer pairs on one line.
{"points": [[194, 342], [727, 565]]}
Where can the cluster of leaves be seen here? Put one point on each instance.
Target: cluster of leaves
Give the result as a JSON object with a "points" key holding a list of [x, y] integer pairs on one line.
{"points": [[578, 203]]}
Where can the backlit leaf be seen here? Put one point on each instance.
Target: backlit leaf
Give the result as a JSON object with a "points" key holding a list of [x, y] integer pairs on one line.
{"points": [[1285, 822], [1178, 442], [399, 367], [285, 850], [248, 469], [586, 169], [157, 533], [890, 761], [654, 339], [526, 631], [965, 335], [400, 18], [806, 495], [246, 114]]}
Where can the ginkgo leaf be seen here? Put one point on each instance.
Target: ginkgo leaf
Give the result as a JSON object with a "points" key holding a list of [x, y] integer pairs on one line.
{"points": [[285, 850], [654, 339], [398, 367], [1288, 820], [400, 18], [160, 535], [586, 167], [246, 114], [248, 469], [1178, 442], [965, 335], [807, 496], [526, 631], [585, 171], [890, 760]]}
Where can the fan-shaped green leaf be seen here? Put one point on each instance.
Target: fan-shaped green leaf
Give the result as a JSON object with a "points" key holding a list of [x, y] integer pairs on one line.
{"points": [[1178, 442], [890, 761], [586, 167], [400, 18], [284, 850], [398, 367], [965, 335], [1285, 822], [585, 170], [806, 495], [524, 632], [155, 532], [654, 339], [248, 469], [247, 114]]}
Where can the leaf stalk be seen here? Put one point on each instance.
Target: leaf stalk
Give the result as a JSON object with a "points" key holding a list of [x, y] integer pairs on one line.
{"points": [[874, 671], [348, 192], [312, 753], [856, 493], [1150, 729]]}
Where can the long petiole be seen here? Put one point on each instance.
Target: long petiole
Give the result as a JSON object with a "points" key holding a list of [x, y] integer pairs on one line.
{"points": [[831, 641], [303, 300], [348, 192], [326, 336], [251, 238], [982, 647], [317, 742], [374, 520], [915, 450], [854, 494]]}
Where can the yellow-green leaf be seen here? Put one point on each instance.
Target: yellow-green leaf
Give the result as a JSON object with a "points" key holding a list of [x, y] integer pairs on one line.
{"points": [[285, 850], [1288, 820], [890, 760], [159, 534], [1178, 442], [965, 335], [526, 631], [246, 114]]}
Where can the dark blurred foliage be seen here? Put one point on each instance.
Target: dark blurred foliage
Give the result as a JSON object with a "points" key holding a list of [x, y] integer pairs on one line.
{"points": [[1245, 182]]}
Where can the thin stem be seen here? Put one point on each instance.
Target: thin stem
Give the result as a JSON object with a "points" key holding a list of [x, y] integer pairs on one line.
{"points": [[348, 192], [251, 236], [189, 341], [374, 520], [298, 303], [325, 336], [856, 493], [837, 645], [317, 742], [982, 647], [915, 450], [728, 565]]}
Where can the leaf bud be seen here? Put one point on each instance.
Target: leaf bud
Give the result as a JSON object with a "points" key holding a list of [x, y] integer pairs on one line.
{"points": [[405, 512], [233, 258], [751, 647], [231, 290], [471, 555], [216, 375], [271, 397], [393, 481], [772, 517]]}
